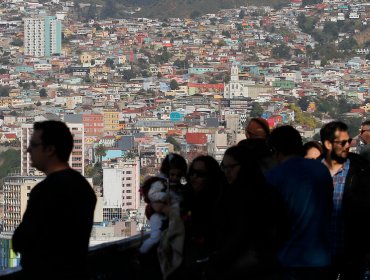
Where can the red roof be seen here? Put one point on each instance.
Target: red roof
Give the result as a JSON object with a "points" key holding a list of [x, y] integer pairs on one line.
{"points": [[196, 138], [358, 110], [11, 136]]}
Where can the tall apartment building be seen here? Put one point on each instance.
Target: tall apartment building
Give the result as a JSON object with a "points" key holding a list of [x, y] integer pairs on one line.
{"points": [[121, 182], [76, 159], [16, 192], [16, 189], [42, 36]]}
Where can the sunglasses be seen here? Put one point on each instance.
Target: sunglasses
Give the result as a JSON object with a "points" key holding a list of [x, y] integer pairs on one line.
{"points": [[343, 142], [364, 130], [197, 173]]}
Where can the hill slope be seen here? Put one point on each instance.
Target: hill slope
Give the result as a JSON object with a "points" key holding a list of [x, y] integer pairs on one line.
{"points": [[175, 8]]}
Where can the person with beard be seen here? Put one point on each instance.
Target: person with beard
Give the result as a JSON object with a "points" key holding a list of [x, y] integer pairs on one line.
{"points": [[350, 229]]}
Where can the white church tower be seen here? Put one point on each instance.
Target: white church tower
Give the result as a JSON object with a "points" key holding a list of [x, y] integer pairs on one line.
{"points": [[236, 87]]}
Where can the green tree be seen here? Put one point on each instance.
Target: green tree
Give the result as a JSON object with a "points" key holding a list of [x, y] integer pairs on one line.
{"points": [[242, 14], [110, 63], [4, 91], [348, 44], [183, 64], [195, 14], [303, 103], [226, 33], [100, 152], [331, 30], [174, 85], [43, 93], [257, 110], [353, 123], [127, 75], [143, 64], [17, 42], [302, 118], [281, 51], [109, 9], [10, 161], [176, 145]]}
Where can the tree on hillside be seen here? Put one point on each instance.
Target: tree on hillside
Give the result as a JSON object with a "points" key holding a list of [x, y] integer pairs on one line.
{"points": [[127, 75], [257, 110], [176, 145], [183, 64], [43, 93], [281, 51], [110, 63], [330, 30], [353, 124], [174, 85], [109, 9], [17, 42], [310, 2], [4, 91], [242, 14], [303, 103], [348, 44], [10, 161]]}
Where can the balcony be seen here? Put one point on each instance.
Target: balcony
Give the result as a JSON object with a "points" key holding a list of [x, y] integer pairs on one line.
{"points": [[106, 261]]}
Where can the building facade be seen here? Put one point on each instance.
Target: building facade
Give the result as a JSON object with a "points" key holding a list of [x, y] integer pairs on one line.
{"points": [[121, 182], [42, 36]]}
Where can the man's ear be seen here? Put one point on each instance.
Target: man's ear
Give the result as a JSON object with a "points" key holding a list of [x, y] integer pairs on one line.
{"points": [[328, 145], [50, 150]]}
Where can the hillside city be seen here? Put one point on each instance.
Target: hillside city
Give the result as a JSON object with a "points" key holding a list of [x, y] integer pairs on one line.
{"points": [[134, 90]]}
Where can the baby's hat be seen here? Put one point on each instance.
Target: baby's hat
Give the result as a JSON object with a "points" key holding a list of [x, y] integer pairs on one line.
{"points": [[158, 192]]}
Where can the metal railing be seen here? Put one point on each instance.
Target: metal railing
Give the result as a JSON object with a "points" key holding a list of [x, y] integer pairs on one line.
{"points": [[108, 261]]}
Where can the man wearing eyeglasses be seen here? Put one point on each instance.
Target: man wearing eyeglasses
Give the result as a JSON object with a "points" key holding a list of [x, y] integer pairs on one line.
{"points": [[350, 227], [365, 139], [53, 237]]}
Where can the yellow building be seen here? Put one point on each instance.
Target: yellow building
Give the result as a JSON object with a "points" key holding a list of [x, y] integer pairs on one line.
{"points": [[85, 58], [111, 121]]}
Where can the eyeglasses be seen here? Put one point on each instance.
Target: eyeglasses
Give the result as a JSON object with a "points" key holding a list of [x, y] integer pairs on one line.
{"points": [[229, 166], [343, 142], [34, 145], [364, 130], [197, 173]]}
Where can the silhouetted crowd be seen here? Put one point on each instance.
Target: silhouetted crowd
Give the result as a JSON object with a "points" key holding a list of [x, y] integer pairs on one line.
{"points": [[273, 209]]}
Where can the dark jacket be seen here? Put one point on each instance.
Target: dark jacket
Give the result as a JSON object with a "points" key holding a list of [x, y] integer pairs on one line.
{"points": [[356, 208], [53, 236]]}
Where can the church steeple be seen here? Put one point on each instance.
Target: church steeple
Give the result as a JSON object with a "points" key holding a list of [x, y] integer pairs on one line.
{"points": [[234, 72]]}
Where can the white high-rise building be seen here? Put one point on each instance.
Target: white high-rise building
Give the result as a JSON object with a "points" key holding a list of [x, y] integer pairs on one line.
{"points": [[42, 36], [121, 182]]}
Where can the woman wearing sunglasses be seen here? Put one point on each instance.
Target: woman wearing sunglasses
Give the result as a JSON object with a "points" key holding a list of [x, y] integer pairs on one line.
{"points": [[206, 182]]}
